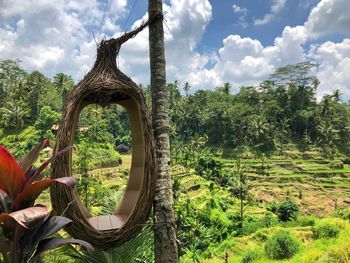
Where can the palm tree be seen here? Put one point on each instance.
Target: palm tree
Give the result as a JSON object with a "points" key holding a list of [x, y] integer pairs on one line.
{"points": [[63, 84], [240, 188], [187, 88], [165, 245], [227, 88], [13, 114], [336, 95], [328, 137]]}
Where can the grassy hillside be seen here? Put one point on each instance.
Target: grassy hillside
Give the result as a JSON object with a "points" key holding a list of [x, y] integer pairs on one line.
{"points": [[320, 188], [208, 213]]}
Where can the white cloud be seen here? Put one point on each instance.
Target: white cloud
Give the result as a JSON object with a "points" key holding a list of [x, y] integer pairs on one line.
{"points": [[334, 64], [276, 7], [245, 61], [242, 15], [56, 37], [183, 29], [329, 17], [288, 48]]}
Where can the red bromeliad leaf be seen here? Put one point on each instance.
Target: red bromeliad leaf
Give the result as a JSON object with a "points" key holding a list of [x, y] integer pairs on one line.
{"points": [[12, 178], [47, 162], [26, 162], [27, 218], [31, 191]]}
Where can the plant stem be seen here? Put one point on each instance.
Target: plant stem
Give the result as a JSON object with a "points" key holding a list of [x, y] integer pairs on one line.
{"points": [[15, 248]]}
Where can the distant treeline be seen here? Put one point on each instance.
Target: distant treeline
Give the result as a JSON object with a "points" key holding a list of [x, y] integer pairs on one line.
{"points": [[262, 118]]}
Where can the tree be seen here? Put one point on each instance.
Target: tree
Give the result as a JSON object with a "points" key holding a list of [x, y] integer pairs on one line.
{"points": [[260, 138], [46, 119], [328, 136], [13, 114], [164, 231], [240, 188], [97, 125], [10, 71], [301, 87], [13, 100], [226, 88], [63, 84], [281, 134], [35, 82], [186, 88]]}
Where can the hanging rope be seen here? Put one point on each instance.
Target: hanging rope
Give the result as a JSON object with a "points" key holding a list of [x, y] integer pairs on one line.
{"points": [[127, 20], [103, 16]]}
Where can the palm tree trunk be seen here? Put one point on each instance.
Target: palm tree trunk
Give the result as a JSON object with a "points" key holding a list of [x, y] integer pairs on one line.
{"points": [[165, 246]]}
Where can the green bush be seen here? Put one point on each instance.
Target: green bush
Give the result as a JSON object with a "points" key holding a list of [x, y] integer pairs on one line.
{"points": [[251, 255], [220, 218], [287, 211], [282, 245], [273, 207], [336, 164], [307, 221], [343, 213], [260, 235], [346, 160], [328, 228], [269, 219], [47, 117]]}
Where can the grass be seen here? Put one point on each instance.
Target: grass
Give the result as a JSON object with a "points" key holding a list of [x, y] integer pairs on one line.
{"points": [[311, 250]]}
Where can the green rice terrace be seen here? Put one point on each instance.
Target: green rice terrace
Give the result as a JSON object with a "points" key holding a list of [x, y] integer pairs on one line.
{"points": [[320, 188]]}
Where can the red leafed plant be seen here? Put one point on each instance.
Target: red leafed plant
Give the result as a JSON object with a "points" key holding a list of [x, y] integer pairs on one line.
{"points": [[27, 229]]}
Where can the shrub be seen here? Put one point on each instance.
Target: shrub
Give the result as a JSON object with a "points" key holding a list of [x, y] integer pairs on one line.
{"points": [[336, 164], [328, 228], [343, 213], [219, 218], [46, 119], [269, 220], [282, 245], [260, 235], [251, 225], [251, 256], [272, 207], [307, 221], [287, 211], [346, 160]]}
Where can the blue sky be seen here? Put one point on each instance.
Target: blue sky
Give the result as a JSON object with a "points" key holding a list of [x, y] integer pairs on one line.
{"points": [[208, 42]]}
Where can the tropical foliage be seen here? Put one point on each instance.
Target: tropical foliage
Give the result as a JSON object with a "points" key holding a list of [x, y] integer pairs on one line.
{"points": [[28, 229], [255, 168]]}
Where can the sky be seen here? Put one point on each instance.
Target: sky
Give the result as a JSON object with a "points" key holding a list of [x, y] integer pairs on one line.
{"points": [[208, 42]]}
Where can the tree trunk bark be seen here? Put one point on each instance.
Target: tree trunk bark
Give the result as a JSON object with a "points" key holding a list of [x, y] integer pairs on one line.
{"points": [[165, 245]]}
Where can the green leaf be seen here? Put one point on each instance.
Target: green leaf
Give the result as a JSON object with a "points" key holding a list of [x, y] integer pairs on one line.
{"points": [[52, 243]]}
